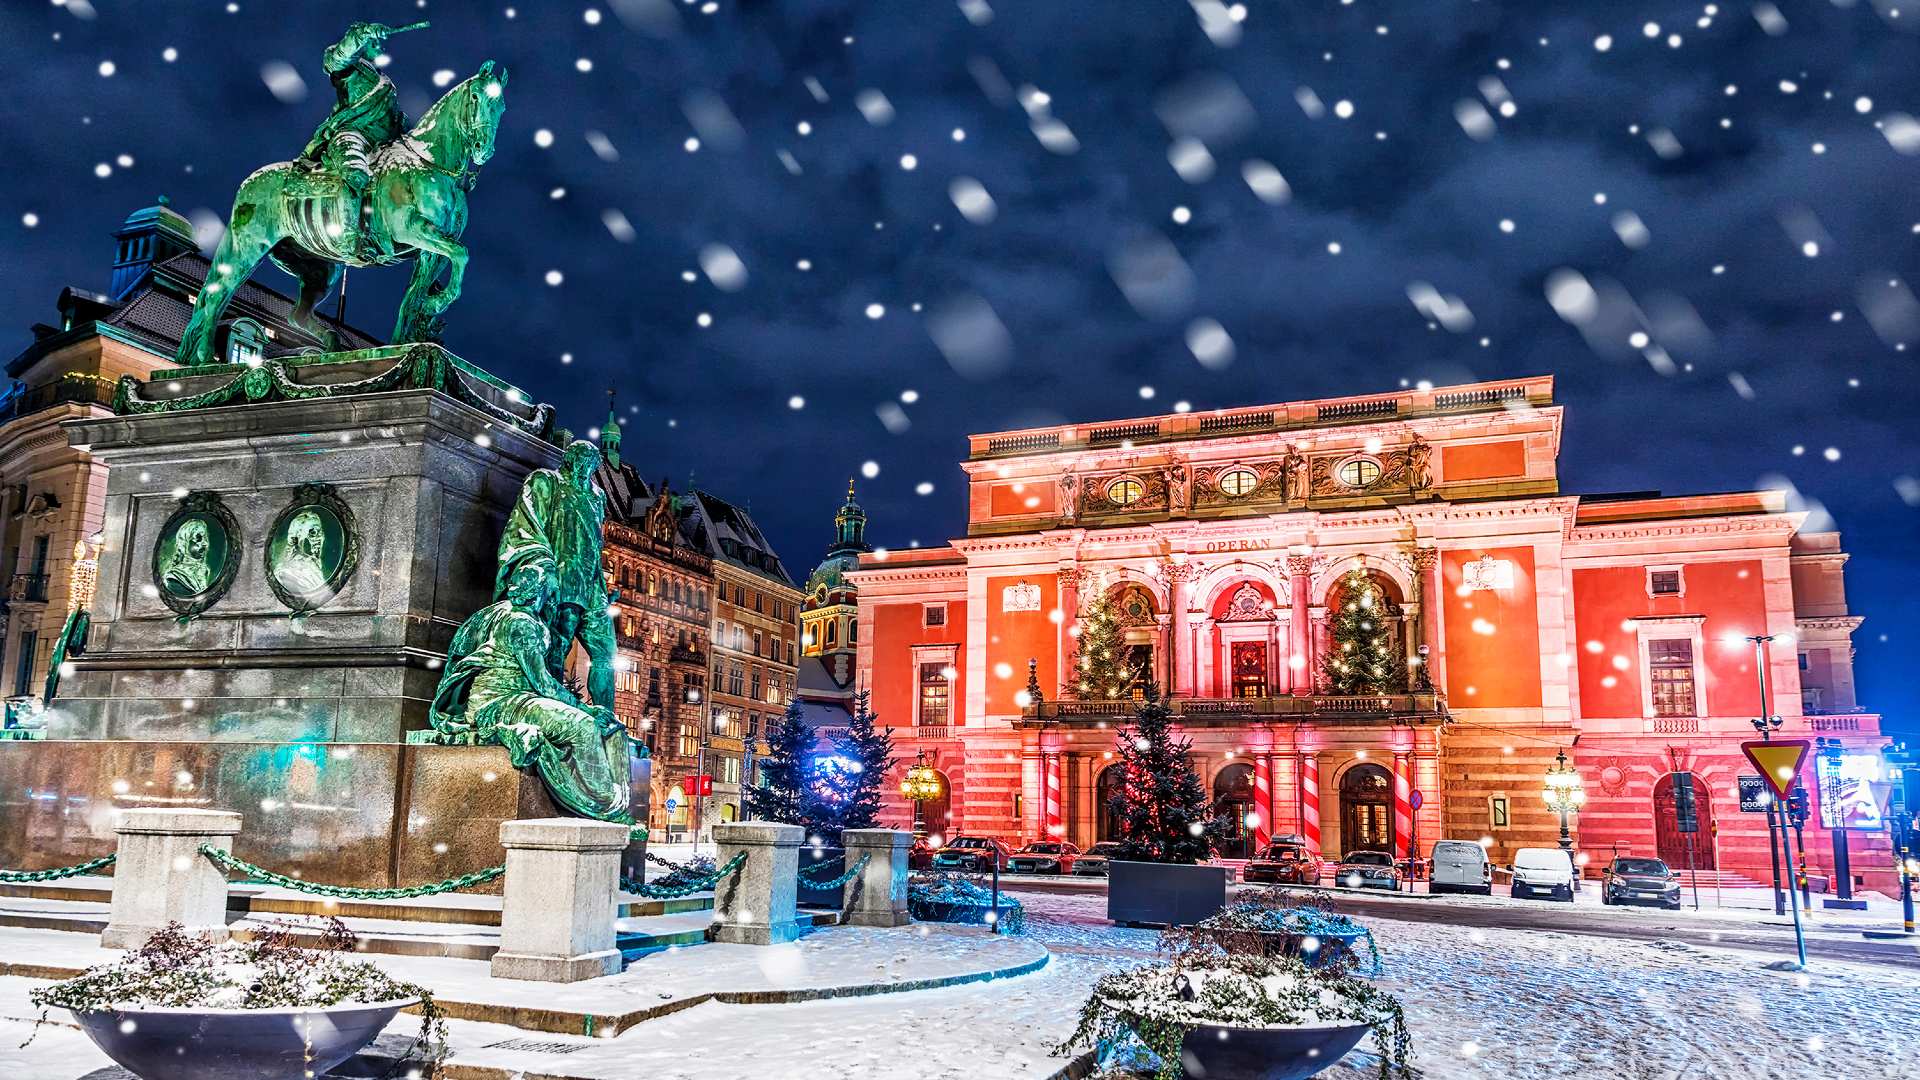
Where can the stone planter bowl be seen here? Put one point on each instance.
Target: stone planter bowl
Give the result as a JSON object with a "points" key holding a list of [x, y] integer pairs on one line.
{"points": [[1288, 1053], [160, 1043]]}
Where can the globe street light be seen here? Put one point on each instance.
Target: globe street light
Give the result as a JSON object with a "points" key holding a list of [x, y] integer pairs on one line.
{"points": [[1564, 795]]}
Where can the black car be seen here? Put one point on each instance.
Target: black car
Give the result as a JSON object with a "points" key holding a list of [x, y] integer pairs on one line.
{"points": [[975, 854], [1093, 862], [1043, 857], [1285, 862], [1640, 881], [1367, 870]]}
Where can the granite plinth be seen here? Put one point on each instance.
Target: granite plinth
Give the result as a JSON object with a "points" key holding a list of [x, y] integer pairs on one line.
{"points": [[374, 815]]}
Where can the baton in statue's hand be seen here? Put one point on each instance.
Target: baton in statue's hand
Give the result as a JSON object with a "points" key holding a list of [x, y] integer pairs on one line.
{"points": [[389, 31]]}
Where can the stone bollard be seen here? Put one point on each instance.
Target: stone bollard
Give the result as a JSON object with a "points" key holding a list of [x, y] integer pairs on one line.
{"points": [[756, 905], [558, 900], [159, 875], [878, 896]]}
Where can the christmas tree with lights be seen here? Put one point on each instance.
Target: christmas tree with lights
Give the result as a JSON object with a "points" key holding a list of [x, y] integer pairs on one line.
{"points": [[784, 793], [856, 802], [1161, 812], [1362, 658], [1100, 670]]}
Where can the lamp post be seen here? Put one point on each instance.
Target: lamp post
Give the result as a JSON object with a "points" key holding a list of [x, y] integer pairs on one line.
{"points": [[920, 785], [1766, 724], [697, 797], [1564, 795]]}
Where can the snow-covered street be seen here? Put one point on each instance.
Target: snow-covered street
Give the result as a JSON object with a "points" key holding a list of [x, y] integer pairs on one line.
{"points": [[1481, 1003]]}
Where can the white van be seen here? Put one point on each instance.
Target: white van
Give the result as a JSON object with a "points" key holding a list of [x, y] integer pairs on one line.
{"points": [[1542, 870], [1461, 866]]}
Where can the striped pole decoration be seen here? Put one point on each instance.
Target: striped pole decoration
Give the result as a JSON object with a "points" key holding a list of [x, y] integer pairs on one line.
{"points": [[1310, 801], [1262, 802], [1402, 806], [1054, 822]]}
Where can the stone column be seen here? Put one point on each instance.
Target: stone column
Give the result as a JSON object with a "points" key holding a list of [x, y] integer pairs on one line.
{"points": [[1300, 630], [1069, 578], [1262, 801], [1426, 563], [1309, 771], [756, 905], [160, 876], [878, 895], [558, 899]]}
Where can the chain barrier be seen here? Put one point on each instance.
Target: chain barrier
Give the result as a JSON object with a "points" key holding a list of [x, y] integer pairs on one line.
{"points": [[674, 892], [852, 872], [678, 868], [15, 877], [260, 875]]}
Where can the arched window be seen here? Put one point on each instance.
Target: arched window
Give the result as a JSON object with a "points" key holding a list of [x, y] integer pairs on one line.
{"points": [[246, 342], [833, 637], [1359, 472], [1238, 481], [1125, 491]]}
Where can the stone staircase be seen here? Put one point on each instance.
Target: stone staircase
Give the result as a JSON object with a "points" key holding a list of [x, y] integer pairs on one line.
{"points": [[1725, 879]]}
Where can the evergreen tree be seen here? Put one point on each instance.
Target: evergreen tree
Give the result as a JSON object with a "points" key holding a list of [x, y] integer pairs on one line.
{"points": [[1362, 659], [1161, 812], [1100, 671], [856, 803], [783, 793]]}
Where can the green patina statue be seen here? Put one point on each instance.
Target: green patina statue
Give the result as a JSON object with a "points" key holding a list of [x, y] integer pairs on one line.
{"points": [[497, 690], [503, 682], [367, 191]]}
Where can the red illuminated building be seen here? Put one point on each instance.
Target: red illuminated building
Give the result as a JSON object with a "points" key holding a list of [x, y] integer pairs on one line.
{"points": [[1614, 627]]}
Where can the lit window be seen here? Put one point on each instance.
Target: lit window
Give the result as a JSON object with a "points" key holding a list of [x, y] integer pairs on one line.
{"points": [[933, 695], [1359, 472], [1125, 491], [1670, 672], [1237, 482]]}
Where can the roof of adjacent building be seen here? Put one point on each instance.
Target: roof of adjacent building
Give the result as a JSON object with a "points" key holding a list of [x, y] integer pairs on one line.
{"points": [[829, 676], [728, 533]]}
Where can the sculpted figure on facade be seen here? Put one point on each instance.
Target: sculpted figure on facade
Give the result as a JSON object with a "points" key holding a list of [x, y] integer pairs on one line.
{"points": [[1419, 471], [1294, 468], [1069, 496], [1179, 489]]}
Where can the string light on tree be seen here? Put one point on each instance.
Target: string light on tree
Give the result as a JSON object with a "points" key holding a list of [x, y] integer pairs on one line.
{"points": [[1362, 659]]}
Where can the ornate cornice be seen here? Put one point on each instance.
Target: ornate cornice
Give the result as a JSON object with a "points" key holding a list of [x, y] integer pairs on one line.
{"points": [[1784, 525], [1845, 624]]}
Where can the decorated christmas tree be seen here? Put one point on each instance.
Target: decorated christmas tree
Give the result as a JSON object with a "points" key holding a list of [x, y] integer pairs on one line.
{"points": [[1161, 812], [1100, 671], [856, 801], [784, 793], [1362, 658]]}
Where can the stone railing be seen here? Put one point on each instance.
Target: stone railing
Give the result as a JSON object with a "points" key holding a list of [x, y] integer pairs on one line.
{"points": [[1301, 706]]}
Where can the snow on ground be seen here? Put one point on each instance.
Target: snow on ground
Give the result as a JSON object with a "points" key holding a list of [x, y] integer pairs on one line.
{"points": [[1518, 1004]]}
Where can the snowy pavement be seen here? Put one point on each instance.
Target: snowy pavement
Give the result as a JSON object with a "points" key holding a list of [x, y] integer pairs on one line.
{"points": [[1494, 1003]]}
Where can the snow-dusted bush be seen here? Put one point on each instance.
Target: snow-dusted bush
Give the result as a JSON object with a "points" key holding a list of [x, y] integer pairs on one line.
{"points": [[948, 897], [1243, 927]]}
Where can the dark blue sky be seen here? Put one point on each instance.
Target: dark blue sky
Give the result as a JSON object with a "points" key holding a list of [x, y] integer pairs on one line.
{"points": [[1738, 183]]}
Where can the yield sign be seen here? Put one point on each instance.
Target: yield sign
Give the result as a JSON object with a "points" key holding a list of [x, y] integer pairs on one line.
{"points": [[1778, 762]]}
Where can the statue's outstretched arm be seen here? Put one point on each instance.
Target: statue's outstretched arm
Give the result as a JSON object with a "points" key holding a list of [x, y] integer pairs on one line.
{"points": [[361, 39]]}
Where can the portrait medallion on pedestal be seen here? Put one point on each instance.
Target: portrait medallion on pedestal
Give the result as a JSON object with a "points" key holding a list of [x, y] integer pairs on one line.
{"points": [[312, 548], [197, 554]]}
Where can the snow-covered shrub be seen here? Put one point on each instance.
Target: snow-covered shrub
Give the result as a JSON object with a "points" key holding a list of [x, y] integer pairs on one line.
{"points": [[180, 970], [1248, 926], [698, 868], [948, 897]]}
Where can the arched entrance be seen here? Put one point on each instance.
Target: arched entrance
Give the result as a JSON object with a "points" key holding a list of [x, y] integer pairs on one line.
{"points": [[1105, 787], [1233, 800], [1139, 621], [1366, 810], [1668, 841], [937, 812]]}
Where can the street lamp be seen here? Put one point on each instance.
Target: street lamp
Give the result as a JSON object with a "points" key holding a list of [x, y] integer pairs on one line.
{"points": [[920, 785], [1564, 795]]}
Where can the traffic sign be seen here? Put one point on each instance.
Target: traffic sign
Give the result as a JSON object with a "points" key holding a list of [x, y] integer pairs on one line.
{"points": [[1753, 794], [1778, 761], [1416, 799]]}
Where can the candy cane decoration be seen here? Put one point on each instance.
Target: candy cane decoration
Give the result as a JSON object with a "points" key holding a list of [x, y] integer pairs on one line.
{"points": [[1402, 807], [1054, 821], [1310, 801], [1262, 802]]}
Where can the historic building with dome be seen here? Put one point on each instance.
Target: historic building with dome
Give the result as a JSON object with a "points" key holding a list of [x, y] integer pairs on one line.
{"points": [[1234, 548]]}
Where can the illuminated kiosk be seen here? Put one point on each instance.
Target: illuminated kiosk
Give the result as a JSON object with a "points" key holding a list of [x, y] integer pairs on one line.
{"points": [[287, 551]]}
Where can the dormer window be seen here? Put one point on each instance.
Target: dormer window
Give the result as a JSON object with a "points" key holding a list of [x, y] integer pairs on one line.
{"points": [[246, 343]]}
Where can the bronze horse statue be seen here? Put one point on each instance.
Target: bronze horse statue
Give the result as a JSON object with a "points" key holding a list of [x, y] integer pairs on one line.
{"points": [[311, 219]]}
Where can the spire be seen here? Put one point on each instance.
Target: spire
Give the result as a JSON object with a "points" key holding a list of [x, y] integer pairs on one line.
{"points": [[850, 526], [610, 434]]}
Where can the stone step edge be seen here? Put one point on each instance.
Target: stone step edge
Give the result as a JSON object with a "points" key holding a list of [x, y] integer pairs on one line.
{"points": [[426, 913], [611, 1025]]}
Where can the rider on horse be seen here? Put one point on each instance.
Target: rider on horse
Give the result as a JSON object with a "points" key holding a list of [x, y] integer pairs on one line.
{"points": [[366, 114]]}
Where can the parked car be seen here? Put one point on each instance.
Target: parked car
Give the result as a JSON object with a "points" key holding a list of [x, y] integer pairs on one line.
{"points": [[1287, 861], [1367, 870], [1640, 881], [1043, 857], [920, 855], [976, 854], [1093, 861], [1460, 866], [1542, 870]]}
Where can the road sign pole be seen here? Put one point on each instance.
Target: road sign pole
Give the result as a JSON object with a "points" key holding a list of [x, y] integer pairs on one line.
{"points": [[1799, 935], [1773, 856]]}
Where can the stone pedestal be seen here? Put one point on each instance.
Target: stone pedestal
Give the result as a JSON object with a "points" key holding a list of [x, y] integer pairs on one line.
{"points": [[877, 896], [161, 877], [557, 910], [756, 905]]}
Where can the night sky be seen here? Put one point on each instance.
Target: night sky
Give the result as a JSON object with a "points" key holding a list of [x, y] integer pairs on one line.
{"points": [[807, 239]]}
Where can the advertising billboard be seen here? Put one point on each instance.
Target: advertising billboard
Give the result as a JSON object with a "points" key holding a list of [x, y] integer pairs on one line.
{"points": [[1846, 800]]}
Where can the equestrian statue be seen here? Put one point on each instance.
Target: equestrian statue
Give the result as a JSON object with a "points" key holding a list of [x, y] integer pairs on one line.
{"points": [[368, 191]]}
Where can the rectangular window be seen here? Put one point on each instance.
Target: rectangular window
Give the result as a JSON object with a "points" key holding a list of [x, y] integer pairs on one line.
{"points": [[933, 615], [756, 643], [730, 770], [1497, 811], [1670, 674], [934, 695], [1663, 583], [754, 681], [23, 669]]}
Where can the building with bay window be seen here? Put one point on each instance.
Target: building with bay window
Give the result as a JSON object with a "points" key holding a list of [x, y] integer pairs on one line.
{"points": [[1618, 628]]}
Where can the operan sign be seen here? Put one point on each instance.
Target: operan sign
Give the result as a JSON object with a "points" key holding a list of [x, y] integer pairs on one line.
{"points": [[1236, 545]]}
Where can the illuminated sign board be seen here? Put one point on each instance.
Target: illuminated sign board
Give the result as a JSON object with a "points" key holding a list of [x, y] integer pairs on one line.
{"points": [[1846, 800]]}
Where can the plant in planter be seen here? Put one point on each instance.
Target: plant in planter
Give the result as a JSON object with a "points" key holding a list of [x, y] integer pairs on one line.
{"points": [[948, 897], [183, 1008], [1277, 923], [1240, 1017], [1163, 823]]}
